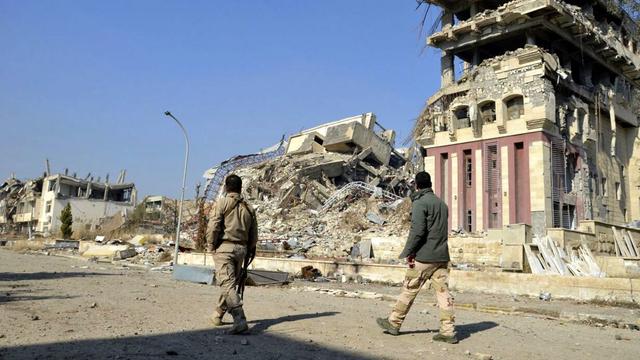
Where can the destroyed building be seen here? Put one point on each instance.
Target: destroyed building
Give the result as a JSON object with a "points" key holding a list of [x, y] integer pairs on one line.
{"points": [[324, 189], [34, 206], [536, 119], [20, 202]]}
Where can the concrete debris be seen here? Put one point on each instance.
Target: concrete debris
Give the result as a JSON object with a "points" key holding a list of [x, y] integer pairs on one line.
{"points": [[349, 294], [624, 243], [481, 356], [336, 184], [546, 257]]}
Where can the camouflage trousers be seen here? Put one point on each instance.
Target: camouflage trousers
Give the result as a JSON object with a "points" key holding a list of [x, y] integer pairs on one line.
{"points": [[413, 282], [228, 268]]}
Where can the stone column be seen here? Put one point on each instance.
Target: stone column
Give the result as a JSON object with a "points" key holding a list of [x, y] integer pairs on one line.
{"points": [[587, 73], [447, 69], [531, 38], [474, 8], [447, 18]]}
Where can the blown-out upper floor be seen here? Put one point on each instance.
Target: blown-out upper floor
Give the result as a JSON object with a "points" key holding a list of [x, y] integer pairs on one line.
{"points": [[527, 90]]}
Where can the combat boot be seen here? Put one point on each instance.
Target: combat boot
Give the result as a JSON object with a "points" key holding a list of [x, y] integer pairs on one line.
{"points": [[450, 339], [388, 327], [239, 322], [216, 319]]}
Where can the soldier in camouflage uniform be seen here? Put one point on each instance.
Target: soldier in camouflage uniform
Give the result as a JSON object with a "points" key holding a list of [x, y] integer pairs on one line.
{"points": [[232, 233], [427, 254]]}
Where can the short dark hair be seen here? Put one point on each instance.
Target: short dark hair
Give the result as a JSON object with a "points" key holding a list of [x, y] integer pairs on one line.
{"points": [[423, 180], [233, 183]]}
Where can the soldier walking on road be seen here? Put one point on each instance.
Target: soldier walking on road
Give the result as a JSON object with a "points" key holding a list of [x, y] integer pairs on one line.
{"points": [[233, 234], [427, 254]]}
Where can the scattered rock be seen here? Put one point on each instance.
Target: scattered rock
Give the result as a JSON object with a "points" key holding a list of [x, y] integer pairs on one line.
{"points": [[35, 317], [93, 305], [1, 336], [620, 337], [481, 356], [467, 352], [244, 342], [172, 353]]}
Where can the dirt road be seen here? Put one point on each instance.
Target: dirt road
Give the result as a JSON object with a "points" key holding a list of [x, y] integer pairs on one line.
{"points": [[54, 308]]}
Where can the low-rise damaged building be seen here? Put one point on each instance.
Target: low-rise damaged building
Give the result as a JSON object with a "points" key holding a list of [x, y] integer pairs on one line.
{"points": [[91, 201], [35, 205], [536, 120]]}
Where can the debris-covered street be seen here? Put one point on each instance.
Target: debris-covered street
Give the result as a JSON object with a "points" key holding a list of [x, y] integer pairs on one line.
{"points": [[53, 307]]}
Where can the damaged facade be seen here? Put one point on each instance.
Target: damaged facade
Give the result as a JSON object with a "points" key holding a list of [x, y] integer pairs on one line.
{"points": [[35, 205], [536, 120]]}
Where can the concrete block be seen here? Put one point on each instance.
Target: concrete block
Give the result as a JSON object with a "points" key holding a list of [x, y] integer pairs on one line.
{"points": [[104, 250], [125, 254], [387, 248], [512, 257], [346, 137]]}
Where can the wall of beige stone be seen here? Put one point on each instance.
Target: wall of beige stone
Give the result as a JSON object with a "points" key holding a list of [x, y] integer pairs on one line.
{"points": [[540, 186]]}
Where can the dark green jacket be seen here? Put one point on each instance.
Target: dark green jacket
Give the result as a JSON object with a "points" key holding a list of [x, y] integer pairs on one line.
{"points": [[429, 228]]}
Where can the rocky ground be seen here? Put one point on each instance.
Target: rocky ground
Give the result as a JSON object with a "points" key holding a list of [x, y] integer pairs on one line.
{"points": [[54, 307]]}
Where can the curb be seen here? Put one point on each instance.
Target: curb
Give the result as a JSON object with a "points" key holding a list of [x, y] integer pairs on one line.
{"points": [[597, 320]]}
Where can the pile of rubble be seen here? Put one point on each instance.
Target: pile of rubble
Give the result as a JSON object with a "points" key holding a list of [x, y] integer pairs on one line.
{"points": [[321, 200]]}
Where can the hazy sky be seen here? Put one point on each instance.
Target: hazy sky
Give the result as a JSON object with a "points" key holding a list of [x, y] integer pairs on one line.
{"points": [[85, 83]]}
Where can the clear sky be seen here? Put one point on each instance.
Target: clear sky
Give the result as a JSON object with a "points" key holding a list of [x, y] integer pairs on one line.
{"points": [[85, 83]]}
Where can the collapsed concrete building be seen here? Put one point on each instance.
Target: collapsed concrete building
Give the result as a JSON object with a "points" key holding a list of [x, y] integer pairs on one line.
{"points": [[536, 120], [34, 206], [19, 202], [324, 189]]}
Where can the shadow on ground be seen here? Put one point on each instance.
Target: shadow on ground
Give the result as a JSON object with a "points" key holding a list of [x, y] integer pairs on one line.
{"points": [[464, 331], [10, 297], [198, 344], [262, 325], [6, 276]]}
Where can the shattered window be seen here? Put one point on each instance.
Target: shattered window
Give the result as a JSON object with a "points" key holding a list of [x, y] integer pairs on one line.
{"points": [[488, 112], [462, 117], [515, 107]]}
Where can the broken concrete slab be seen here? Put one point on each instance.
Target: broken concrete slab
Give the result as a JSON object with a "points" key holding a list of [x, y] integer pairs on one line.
{"points": [[109, 251]]}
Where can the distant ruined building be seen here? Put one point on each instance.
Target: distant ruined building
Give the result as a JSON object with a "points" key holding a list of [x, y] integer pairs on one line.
{"points": [[536, 120]]}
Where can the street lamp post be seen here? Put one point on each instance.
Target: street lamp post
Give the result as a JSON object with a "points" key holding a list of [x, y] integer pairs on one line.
{"points": [[184, 179]]}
